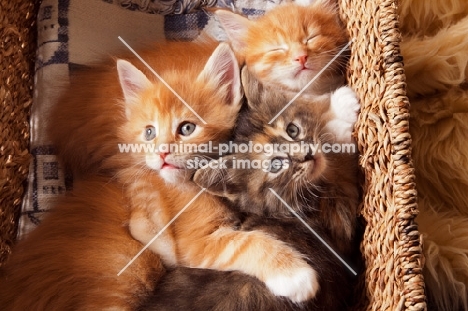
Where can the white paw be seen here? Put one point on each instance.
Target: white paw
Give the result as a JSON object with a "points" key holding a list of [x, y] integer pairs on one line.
{"points": [[345, 104], [345, 107], [164, 246], [300, 285]]}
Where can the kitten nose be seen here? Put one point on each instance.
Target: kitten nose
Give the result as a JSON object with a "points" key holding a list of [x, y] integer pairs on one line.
{"points": [[309, 156], [163, 155], [302, 59]]}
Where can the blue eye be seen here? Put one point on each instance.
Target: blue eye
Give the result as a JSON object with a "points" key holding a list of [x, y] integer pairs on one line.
{"points": [[186, 128], [150, 132]]}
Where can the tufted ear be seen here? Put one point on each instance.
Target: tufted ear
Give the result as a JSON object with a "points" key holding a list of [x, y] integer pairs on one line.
{"points": [[222, 72], [235, 26], [132, 81]]}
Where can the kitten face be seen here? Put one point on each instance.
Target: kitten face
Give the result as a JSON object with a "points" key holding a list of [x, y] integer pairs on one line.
{"points": [[290, 45], [295, 169], [162, 123]]}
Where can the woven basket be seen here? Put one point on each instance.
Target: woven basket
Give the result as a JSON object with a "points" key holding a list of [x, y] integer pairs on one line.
{"points": [[17, 50], [391, 246]]}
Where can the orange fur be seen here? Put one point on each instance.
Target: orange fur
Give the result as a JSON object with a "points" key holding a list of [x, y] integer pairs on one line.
{"points": [[71, 260], [84, 123], [273, 44]]}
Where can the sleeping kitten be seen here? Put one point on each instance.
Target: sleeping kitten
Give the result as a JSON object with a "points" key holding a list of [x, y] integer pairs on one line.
{"points": [[159, 187], [291, 44], [321, 187]]}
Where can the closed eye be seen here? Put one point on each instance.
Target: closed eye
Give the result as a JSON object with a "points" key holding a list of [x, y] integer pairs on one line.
{"points": [[277, 49], [311, 38]]}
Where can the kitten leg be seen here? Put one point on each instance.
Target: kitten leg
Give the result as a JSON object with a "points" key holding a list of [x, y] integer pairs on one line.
{"points": [[280, 267], [344, 107], [144, 226]]}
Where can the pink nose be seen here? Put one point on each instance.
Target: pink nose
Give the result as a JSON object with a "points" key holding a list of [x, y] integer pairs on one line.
{"points": [[302, 59], [163, 155]]}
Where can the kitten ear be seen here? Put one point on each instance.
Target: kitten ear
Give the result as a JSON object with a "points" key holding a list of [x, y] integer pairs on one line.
{"points": [[222, 73], [235, 26], [132, 81], [253, 89], [220, 178]]}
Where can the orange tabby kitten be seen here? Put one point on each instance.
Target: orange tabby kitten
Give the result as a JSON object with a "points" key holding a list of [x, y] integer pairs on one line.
{"points": [[291, 44], [159, 187]]}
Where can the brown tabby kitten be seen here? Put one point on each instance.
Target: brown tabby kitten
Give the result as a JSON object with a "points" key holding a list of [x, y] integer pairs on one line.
{"points": [[291, 44], [321, 187]]}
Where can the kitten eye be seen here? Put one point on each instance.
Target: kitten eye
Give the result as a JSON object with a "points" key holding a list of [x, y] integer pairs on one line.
{"points": [[311, 38], [292, 130], [186, 128], [276, 164], [150, 132]]}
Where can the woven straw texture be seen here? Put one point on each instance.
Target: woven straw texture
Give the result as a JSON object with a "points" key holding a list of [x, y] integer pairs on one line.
{"points": [[17, 50], [391, 246]]}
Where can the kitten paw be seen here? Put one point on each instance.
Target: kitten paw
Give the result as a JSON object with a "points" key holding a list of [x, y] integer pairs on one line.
{"points": [[345, 104], [345, 107], [144, 231], [298, 286]]}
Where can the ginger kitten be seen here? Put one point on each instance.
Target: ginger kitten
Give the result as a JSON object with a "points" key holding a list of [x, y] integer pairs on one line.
{"points": [[158, 185], [73, 257], [291, 44]]}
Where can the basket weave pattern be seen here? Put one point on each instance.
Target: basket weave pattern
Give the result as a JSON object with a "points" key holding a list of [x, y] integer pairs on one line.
{"points": [[391, 245], [17, 51]]}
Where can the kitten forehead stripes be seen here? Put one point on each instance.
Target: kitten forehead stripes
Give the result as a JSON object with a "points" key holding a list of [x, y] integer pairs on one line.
{"points": [[162, 80]]}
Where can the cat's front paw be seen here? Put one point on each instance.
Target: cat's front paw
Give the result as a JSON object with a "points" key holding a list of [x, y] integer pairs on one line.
{"points": [[345, 107], [299, 285], [345, 104], [144, 230]]}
